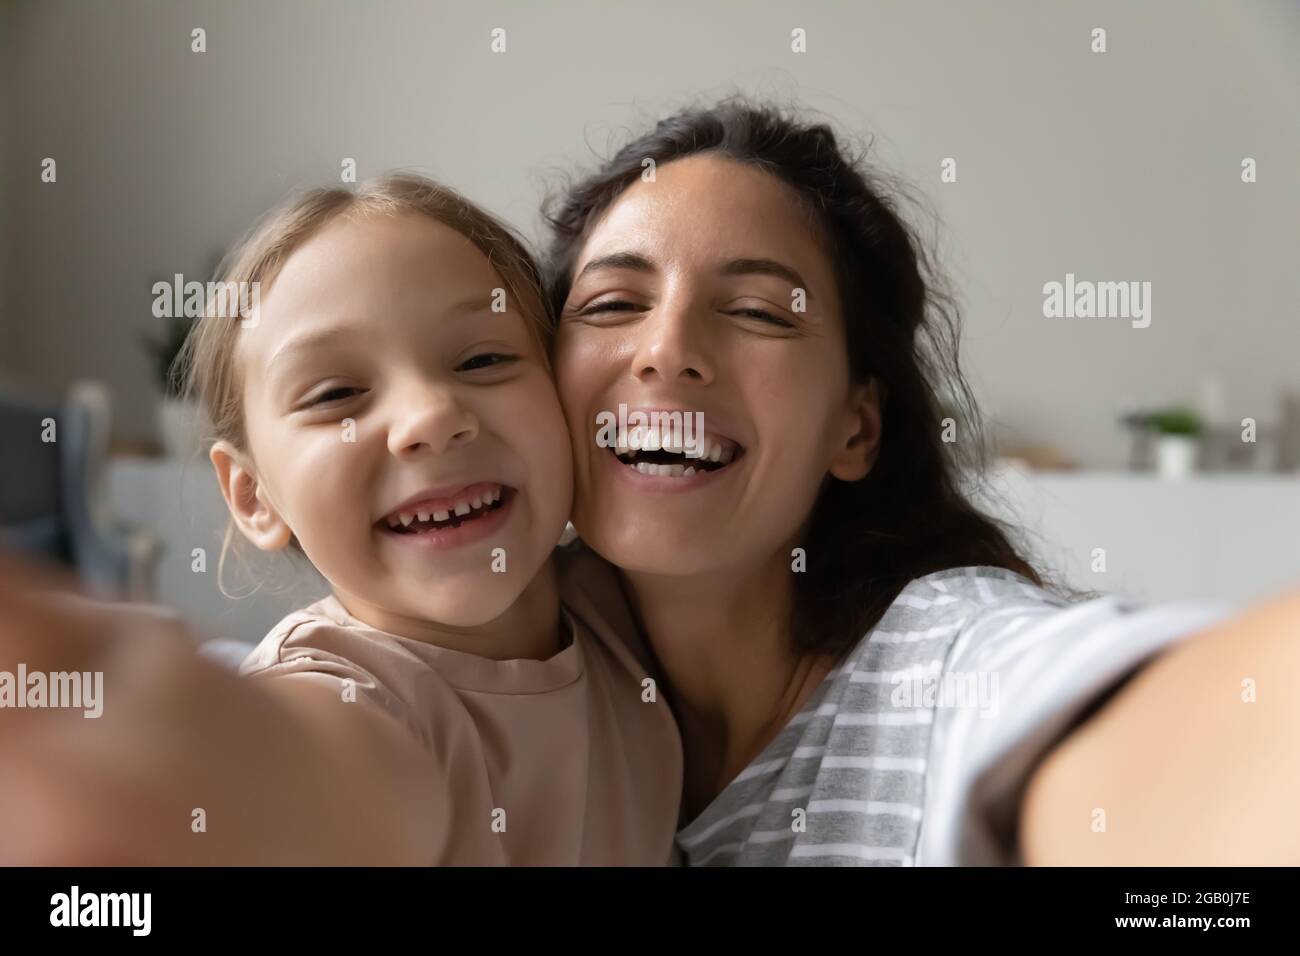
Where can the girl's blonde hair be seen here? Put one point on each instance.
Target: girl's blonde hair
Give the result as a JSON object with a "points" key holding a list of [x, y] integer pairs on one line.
{"points": [[206, 367]]}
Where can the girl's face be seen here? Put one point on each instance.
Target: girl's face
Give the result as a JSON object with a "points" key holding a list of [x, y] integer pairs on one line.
{"points": [[399, 427], [707, 290]]}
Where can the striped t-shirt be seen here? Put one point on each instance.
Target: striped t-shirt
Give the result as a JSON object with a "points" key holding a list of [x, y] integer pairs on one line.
{"points": [[916, 749]]}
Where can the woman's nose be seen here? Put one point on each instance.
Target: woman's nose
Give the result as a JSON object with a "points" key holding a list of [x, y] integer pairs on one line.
{"points": [[671, 346], [429, 421]]}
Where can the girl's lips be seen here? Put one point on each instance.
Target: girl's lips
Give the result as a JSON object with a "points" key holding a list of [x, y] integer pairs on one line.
{"points": [[469, 531], [665, 483]]}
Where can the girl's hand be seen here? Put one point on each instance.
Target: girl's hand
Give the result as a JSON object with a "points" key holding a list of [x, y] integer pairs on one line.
{"points": [[187, 764]]}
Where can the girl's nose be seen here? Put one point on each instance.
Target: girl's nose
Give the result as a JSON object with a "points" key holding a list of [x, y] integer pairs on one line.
{"points": [[671, 346], [430, 422]]}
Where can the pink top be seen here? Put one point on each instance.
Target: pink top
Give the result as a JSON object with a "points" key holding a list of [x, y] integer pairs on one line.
{"points": [[556, 762]]}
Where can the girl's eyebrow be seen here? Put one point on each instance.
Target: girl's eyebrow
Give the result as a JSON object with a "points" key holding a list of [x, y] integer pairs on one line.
{"points": [[307, 341], [476, 307]]}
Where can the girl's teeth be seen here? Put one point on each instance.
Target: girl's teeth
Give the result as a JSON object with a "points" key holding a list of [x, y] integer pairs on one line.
{"points": [[462, 508], [441, 515], [476, 501], [404, 518], [727, 456], [715, 452], [690, 470], [422, 515]]}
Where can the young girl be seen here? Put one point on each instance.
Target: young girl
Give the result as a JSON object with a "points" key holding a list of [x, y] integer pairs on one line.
{"points": [[388, 411]]}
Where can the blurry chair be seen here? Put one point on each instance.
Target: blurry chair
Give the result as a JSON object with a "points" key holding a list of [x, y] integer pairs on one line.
{"points": [[52, 493]]}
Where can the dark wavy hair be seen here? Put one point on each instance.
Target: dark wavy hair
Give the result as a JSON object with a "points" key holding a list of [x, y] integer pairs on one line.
{"points": [[910, 515]]}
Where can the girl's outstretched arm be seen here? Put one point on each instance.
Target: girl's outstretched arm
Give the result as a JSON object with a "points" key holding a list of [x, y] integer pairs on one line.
{"points": [[1195, 761], [187, 763]]}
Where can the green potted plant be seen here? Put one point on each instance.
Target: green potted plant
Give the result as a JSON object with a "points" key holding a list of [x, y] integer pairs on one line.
{"points": [[1178, 430], [178, 420]]}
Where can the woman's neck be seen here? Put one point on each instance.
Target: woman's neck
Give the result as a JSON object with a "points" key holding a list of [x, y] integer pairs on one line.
{"points": [[734, 677]]}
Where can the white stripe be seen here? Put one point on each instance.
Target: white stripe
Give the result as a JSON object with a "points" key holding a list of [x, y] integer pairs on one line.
{"points": [[911, 600], [759, 769], [753, 810], [871, 807], [723, 848], [1030, 591], [791, 793], [908, 637], [902, 718], [893, 677], [858, 850], [914, 764], [825, 710]]}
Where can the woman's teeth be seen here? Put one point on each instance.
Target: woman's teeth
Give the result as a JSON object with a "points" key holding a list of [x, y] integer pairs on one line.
{"points": [[657, 461], [471, 506]]}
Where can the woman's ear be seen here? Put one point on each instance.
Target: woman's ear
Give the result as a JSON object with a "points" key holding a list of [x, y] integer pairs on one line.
{"points": [[860, 444], [256, 517]]}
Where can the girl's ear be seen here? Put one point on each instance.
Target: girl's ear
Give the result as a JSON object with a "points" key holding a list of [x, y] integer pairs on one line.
{"points": [[860, 444], [256, 517]]}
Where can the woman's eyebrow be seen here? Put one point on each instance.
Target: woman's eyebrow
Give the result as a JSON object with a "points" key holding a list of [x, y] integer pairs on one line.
{"points": [[733, 267], [617, 260], [767, 267]]}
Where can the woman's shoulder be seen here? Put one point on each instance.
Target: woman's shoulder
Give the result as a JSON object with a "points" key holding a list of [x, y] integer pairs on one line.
{"points": [[932, 609]]}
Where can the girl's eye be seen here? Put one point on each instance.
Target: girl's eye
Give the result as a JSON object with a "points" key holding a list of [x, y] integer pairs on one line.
{"points": [[337, 394], [485, 360]]}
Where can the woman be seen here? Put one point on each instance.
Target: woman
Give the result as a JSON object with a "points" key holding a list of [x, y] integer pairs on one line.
{"points": [[813, 596], [815, 602]]}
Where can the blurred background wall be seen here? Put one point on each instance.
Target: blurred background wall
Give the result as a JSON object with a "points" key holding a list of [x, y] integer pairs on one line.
{"points": [[1117, 166]]}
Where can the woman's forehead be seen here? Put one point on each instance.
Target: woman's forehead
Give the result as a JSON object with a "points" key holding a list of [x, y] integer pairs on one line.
{"points": [[707, 209]]}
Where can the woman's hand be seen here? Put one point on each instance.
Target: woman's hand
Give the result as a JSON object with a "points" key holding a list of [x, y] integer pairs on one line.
{"points": [[188, 764], [1194, 762]]}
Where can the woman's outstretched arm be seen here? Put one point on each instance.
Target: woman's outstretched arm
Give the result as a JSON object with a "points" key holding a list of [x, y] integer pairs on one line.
{"points": [[1195, 761]]}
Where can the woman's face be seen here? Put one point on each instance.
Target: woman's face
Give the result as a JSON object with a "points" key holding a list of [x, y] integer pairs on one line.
{"points": [[707, 290]]}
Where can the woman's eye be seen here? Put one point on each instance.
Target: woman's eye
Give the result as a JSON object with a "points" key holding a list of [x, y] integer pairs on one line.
{"points": [[609, 305], [765, 316], [486, 360], [337, 394]]}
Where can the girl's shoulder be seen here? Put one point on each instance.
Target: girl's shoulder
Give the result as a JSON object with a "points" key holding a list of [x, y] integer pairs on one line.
{"points": [[593, 592]]}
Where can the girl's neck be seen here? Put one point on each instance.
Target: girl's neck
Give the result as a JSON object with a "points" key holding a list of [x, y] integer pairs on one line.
{"points": [[734, 677], [530, 629]]}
